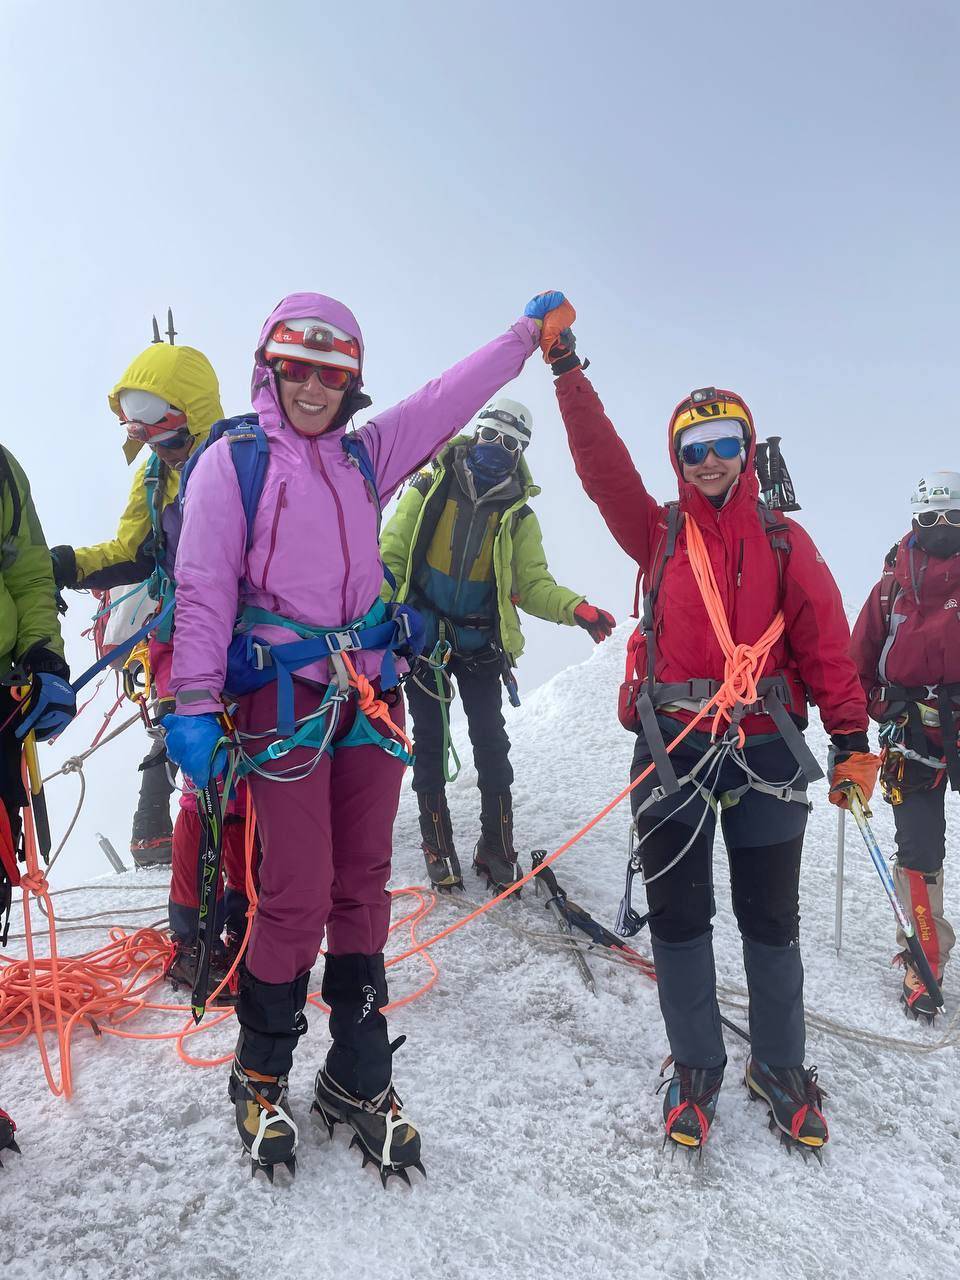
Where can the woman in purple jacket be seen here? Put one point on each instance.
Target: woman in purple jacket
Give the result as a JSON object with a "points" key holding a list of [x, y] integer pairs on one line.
{"points": [[310, 567]]}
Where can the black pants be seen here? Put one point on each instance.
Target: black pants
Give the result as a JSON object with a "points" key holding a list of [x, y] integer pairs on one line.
{"points": [[478, 680], [764, 839], [920, 821]]}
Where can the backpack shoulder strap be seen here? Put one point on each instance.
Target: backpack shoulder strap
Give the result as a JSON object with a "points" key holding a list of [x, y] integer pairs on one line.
{"points": [[889, 586], [776, 530], [250, 452], [355, 447]]}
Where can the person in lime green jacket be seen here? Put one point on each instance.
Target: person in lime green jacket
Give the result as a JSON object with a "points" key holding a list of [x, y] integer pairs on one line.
{"points": [[31, 652], [167, 399], [466, 551]]}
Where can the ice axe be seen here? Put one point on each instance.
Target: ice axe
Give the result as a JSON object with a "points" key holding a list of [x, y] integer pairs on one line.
{"points": [[861, 813]]}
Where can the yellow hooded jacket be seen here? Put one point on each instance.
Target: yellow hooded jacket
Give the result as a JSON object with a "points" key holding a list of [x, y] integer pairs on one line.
{"points": [[185, 378]]}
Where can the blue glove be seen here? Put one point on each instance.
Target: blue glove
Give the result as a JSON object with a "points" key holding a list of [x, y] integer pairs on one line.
{"points": [[51, 707], [538, 307], [191, 744]]}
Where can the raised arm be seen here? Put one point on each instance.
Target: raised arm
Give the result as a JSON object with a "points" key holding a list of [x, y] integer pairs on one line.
{"points": [[605, 467], [405, 437]]}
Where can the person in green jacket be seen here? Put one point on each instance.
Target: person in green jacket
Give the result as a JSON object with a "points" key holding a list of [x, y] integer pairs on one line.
{"points": [[466, 551], [31, 655]]}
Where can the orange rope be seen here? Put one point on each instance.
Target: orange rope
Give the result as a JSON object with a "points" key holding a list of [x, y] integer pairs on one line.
{"points": [[107, 987], [743, 663]]}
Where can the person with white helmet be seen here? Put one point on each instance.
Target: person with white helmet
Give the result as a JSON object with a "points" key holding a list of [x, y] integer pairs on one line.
{"points": [[466, 550], [906, 645]]}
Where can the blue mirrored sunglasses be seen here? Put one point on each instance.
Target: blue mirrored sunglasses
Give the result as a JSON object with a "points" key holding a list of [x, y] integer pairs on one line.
{"points": [[727, 447]]}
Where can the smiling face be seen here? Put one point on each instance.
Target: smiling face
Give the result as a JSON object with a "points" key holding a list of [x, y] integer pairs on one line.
{"points": [[713, 476], [310, 407]]}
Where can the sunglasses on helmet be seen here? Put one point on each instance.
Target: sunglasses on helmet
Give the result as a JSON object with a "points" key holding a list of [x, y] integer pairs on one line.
{"points": [[927, 519], [490, 435], [330, 376], [727, 447]]}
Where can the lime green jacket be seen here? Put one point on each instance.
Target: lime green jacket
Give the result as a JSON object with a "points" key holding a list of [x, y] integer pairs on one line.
{"points": [[523, 579], [28, 609], [183, 377]]}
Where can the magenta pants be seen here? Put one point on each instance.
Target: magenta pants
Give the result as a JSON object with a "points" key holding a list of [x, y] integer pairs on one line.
{"points": [[327, 841]]}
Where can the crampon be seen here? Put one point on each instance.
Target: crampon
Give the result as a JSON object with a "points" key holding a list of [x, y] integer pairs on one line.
{"points": [[498, 870], [267, 1130], [689, 1105], [915, 998], [794, 1099], [384, 1136]]}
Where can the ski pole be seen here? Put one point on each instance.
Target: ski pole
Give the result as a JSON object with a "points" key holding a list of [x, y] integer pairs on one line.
{"points": [[211, 857], [860, 813], [838, 912], [555, 904]]}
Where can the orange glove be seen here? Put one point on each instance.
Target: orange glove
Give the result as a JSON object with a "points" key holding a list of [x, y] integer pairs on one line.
{"points": [[860, 768], [552, 313]]}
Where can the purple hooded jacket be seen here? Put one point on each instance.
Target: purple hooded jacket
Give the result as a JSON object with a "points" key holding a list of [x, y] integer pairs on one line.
{"points": [[314, 556]]}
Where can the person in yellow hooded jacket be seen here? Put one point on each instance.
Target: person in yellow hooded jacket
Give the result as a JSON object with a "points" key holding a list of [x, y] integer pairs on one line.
{"points": [[168, 398]]}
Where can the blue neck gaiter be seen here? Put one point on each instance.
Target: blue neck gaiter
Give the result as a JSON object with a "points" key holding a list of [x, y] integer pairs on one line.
{"points": [[489, 464]]}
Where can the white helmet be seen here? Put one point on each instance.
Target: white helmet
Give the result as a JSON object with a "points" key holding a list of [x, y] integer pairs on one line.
{"points": [[938, 491], [508, 417], [317, 341]]}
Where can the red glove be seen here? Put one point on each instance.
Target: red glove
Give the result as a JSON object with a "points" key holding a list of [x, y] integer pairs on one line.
{"points": [[597, 621], [860, 768]]}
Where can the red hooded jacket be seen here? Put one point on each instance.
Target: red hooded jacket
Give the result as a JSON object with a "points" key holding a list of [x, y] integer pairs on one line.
{"points": [[919, 644], [813, 653]]}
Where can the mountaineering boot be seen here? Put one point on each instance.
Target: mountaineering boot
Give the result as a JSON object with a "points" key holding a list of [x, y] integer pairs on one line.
{"points": [[266, 1128], [183, 967], [495, 857], [689, 1103], [443, 866], [7, 1129], [380, 1129], [271, 1022], [795, 1102], [922, 894], [916, 999], [355, 1084], [151, 842]]}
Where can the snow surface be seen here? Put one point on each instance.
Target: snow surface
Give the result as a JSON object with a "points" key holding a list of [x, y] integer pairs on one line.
{"points": [[541, 1131]]}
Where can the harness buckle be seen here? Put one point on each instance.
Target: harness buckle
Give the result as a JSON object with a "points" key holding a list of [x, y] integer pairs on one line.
{"points": [[260, 655], [341, 641], [277, 749]]}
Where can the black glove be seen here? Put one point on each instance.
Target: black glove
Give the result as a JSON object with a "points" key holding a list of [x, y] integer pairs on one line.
{"points": [[563, 354], [65, 573], [38, 659], [847, 744]]}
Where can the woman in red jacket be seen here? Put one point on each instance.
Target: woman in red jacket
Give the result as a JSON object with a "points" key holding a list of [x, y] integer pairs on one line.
{"points": [[762, 563], [906, 644]]}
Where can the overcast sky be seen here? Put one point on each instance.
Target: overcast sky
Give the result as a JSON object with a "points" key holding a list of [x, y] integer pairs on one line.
{"points": [[756, 196]]}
